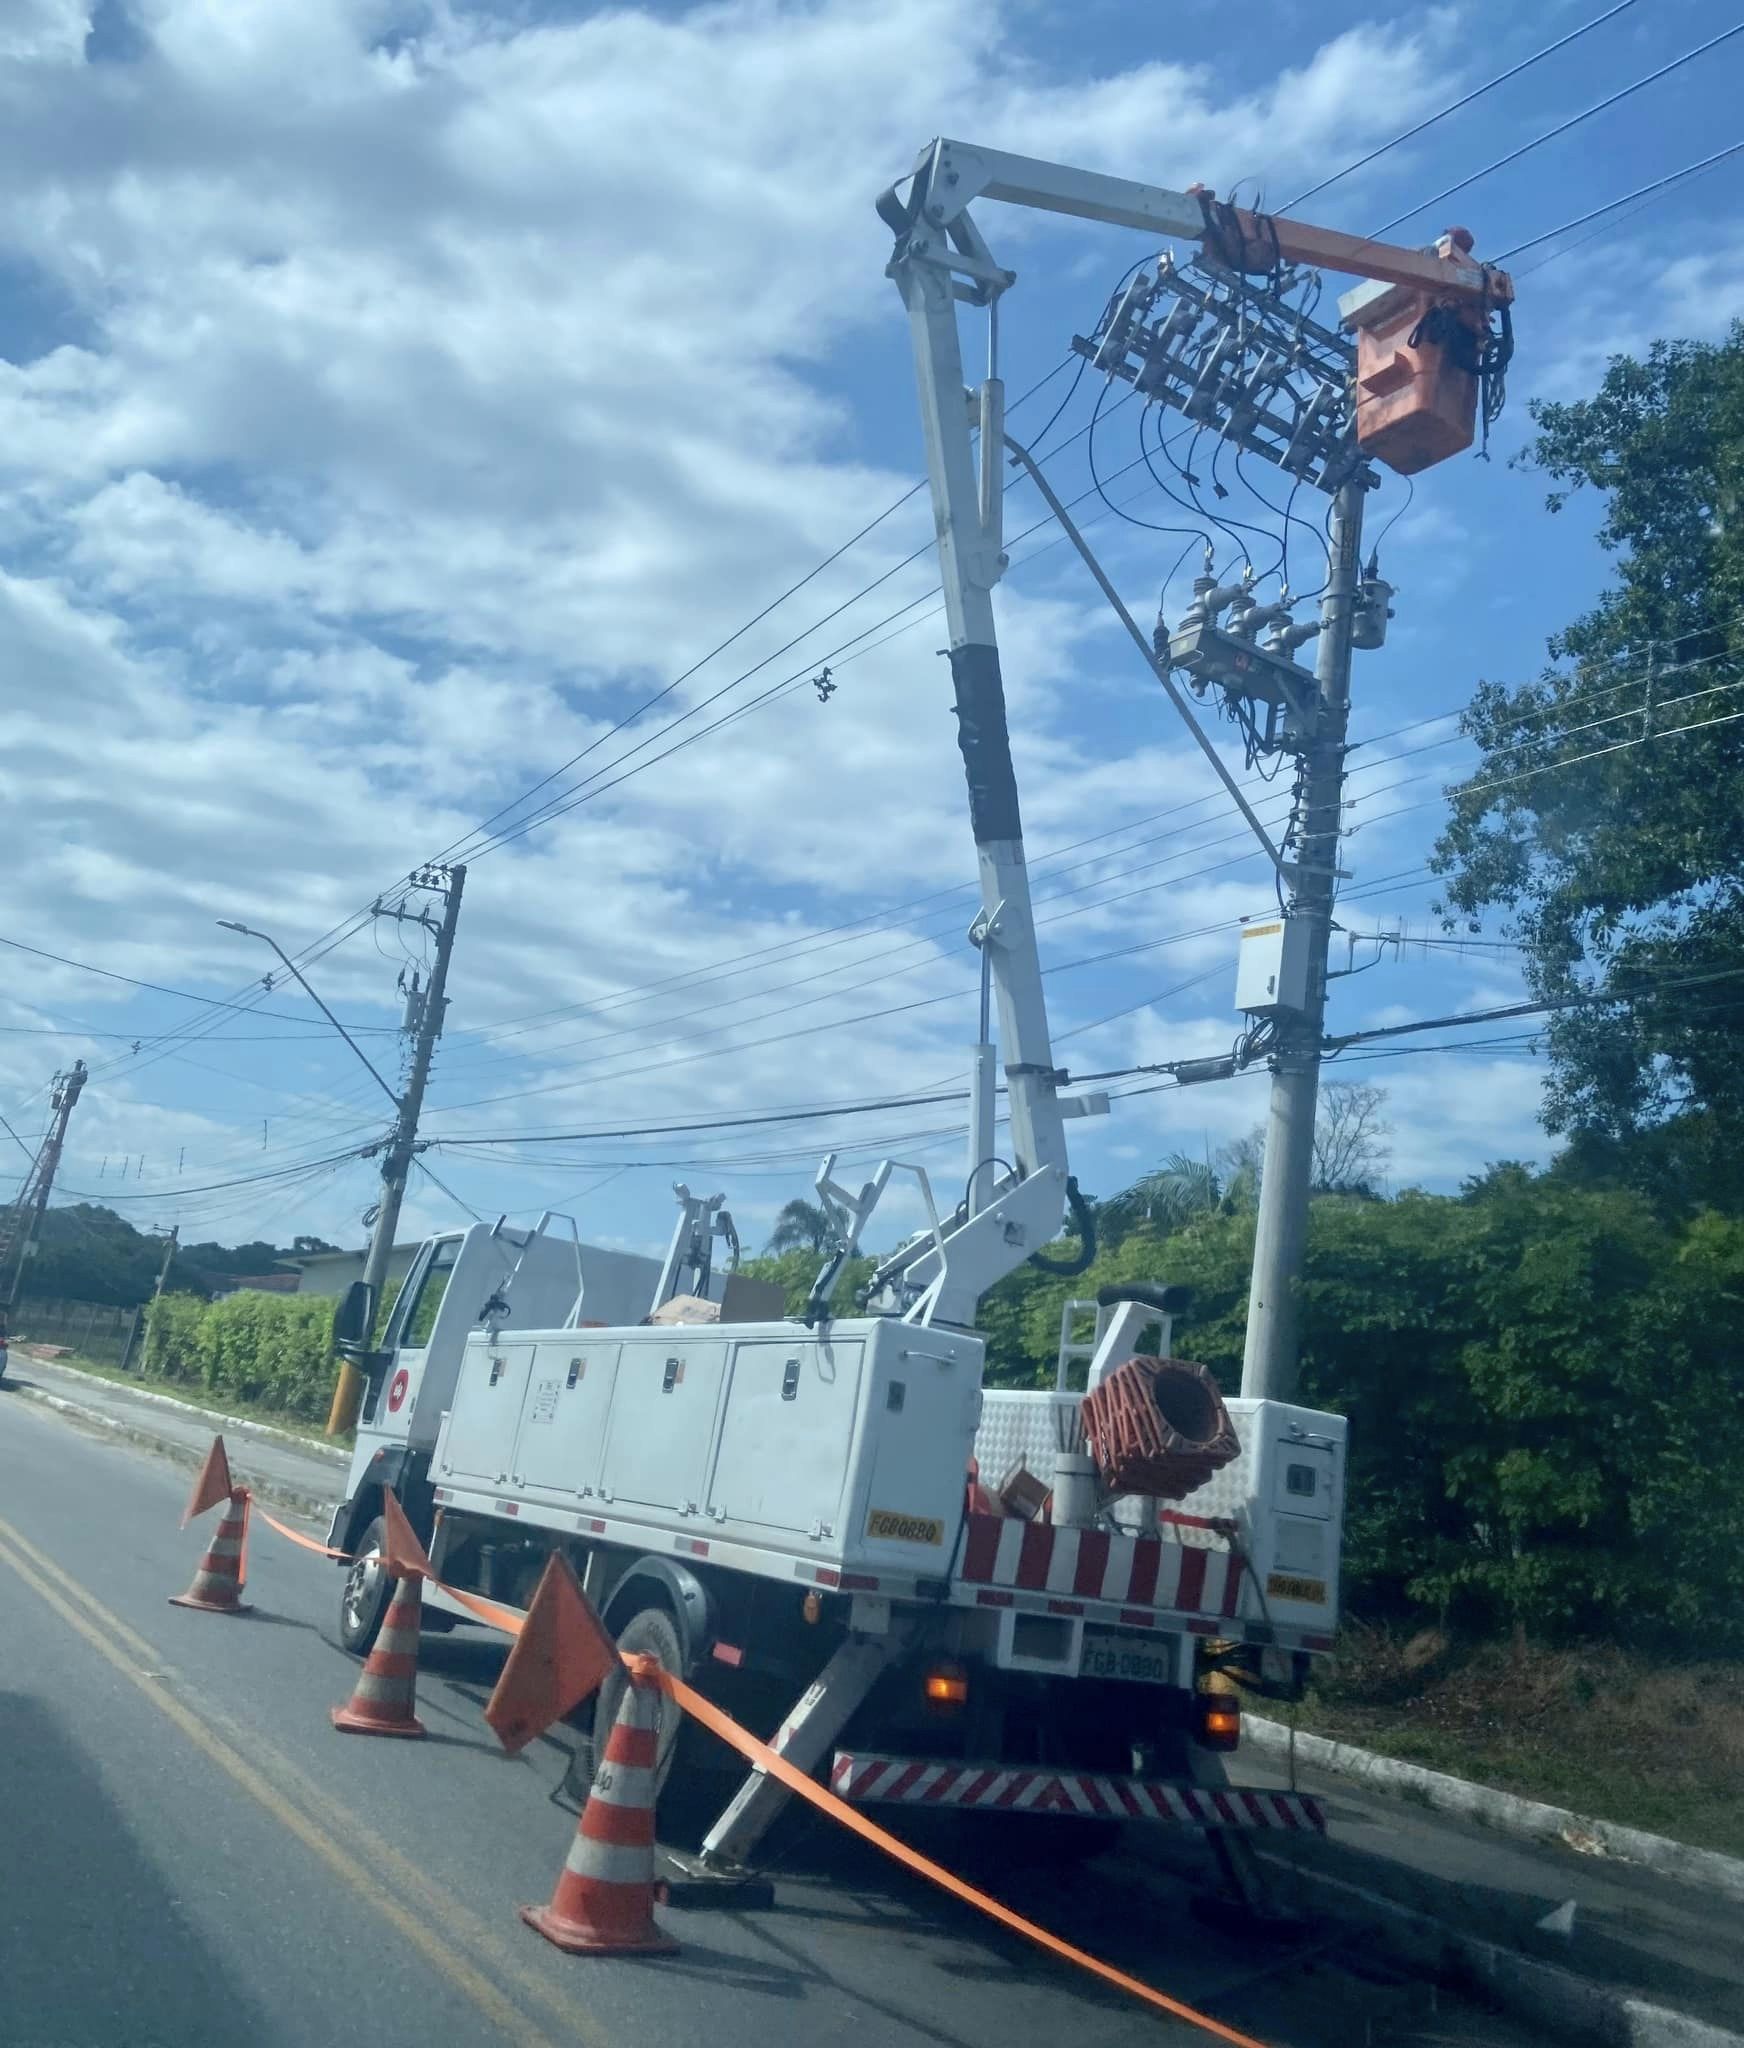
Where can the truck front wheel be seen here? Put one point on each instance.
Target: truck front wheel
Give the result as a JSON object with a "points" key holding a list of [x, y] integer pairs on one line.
{"points": [[363, 1602]]}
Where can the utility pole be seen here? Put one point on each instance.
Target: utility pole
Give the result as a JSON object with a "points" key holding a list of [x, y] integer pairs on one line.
{"points": [[163, 1273], [1268, 1370], [38, 1184], [402, 1146]]}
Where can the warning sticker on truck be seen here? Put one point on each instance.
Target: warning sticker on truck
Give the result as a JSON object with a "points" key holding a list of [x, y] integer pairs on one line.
{"points": [[544, 1408], [1285, 1586], [904, 1528]]}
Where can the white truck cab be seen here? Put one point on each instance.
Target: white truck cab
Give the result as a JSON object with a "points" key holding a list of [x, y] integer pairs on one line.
{"points": [[488, 1278]]}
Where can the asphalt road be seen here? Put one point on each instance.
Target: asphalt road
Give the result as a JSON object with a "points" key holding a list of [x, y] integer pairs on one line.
{"points": [[193, 1856]]}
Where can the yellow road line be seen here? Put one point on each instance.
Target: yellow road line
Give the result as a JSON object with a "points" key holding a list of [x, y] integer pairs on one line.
{"points": [[366, 1866]]}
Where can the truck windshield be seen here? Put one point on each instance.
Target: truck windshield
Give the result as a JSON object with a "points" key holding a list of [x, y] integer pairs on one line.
{"points": [[415, 1316]]}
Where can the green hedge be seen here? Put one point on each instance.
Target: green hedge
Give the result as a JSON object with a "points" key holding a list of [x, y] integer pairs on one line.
{"points": [[274, 1349]]}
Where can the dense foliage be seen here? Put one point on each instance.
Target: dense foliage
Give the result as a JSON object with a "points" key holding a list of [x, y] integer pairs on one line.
{"points": [[1543, 1381], [86, 1252], [273, 1349], [1607, 816]]}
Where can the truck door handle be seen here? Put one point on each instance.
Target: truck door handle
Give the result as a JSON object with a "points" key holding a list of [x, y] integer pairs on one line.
{"points": [[673, 1366], [790, 1381]]}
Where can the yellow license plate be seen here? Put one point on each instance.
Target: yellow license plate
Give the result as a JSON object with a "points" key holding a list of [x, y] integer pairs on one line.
{"points": [[904, 1528], [1285, 1586]]}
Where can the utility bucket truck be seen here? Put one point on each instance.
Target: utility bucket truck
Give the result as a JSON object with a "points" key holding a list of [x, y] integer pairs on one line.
{"points": [[927, 1590]]}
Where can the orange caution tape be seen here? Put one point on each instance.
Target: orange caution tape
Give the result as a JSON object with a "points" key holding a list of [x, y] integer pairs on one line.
{"points": [[296, 1536], [508, 1619], [504, 1618], [759, 1753], [807, 1788]]}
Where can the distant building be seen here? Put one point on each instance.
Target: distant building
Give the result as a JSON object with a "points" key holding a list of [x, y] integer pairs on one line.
{"points": [[331, 1273], [255, 1283]]}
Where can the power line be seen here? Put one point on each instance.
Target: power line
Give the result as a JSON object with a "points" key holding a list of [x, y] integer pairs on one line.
{"points": [[560, 1087], [157, 988], [308, 1166], [1611, 205], [1465, 100], [1563, 127]]}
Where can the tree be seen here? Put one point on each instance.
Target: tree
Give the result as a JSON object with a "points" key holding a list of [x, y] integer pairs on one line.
{"points": [[804, 1226], [1605, 817], [1178, 1190], [1350, 1138]]}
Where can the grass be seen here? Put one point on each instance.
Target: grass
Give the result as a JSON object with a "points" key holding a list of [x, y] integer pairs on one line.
{"points": [[202, 1397], [1650, 1744]]}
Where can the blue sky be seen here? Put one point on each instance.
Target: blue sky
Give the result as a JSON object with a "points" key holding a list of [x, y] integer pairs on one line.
{"points": [[392, 396]]}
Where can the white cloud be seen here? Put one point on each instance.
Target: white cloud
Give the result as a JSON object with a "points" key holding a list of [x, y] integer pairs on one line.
{"points": [[432, 385]]}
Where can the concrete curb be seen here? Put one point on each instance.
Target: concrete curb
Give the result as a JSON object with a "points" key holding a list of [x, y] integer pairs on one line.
{"points": [[1505, 1811], [240, 1425], [317, 1510], [1557, 2000]]}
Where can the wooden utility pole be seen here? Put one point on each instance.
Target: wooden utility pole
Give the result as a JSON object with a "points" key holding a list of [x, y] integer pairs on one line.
{"points": [[425, 1016]]}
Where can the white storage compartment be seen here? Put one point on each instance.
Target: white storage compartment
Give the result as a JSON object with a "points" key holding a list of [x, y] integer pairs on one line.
{"points": [[563, 1426], [921, 1404], [786, 1430], [664, 1415], [486, 1416]]}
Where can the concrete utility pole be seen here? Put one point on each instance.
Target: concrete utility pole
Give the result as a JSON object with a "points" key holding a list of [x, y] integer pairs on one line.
{"points": [[38, 1184], [402, 1146], [163, 1273], [1269, 1364]]}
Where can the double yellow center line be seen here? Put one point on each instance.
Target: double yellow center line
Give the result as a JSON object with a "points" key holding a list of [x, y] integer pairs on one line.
{"points": [[443, 1933]]}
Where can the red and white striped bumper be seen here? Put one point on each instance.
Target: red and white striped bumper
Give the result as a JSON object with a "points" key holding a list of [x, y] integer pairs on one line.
{"points": [[912, 1781]]}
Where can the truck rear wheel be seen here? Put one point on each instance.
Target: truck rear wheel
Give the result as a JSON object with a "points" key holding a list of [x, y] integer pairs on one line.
{"points": [[651, 1632], [363, 1600]]}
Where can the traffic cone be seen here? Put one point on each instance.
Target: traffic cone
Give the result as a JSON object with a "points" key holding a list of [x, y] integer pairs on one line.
{"points": [[217, 1587], [386, 1691], [604, 1901]]}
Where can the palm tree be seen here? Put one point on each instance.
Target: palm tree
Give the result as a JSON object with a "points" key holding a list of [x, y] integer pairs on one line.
{"points": [[1170, 1196], [804, 1226]]}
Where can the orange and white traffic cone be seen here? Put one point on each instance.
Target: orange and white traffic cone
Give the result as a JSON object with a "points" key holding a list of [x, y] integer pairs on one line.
{"points": [[217, 1587], [386, 1691], [604, 1901]]}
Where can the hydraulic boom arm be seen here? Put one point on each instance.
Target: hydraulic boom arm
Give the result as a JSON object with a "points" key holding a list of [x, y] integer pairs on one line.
{"points": [[940, 259]]}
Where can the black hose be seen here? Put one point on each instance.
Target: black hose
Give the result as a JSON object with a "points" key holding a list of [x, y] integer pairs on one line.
{"points": [[1085, 1218]]}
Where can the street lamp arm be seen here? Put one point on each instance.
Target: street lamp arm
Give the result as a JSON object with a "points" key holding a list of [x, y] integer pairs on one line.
{"points": [[231, 924]]}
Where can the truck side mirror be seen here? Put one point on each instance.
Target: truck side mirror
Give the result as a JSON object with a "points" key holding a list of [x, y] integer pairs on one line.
{"points": [[354, 1317]]}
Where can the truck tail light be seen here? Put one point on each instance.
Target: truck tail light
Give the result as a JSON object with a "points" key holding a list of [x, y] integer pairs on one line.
{"points": [[946, 1685], [1217, 1720]]}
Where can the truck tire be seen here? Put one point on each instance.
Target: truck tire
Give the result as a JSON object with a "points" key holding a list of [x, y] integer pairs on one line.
{"points": [[363, 1599], [650, 1631]]}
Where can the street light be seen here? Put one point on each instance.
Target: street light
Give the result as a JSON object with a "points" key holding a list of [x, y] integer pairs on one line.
{"points": [[231, 924]]}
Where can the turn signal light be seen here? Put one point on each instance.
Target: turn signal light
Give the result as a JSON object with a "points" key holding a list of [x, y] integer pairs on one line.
{"points": [[1219, 1718], [947, 1685]]}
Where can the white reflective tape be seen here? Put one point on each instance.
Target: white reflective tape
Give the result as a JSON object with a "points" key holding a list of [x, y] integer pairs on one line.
{"points": [[611, 1862], [623, 1785], [382, 1690], [1063, 1563], [1010, 1549]]}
